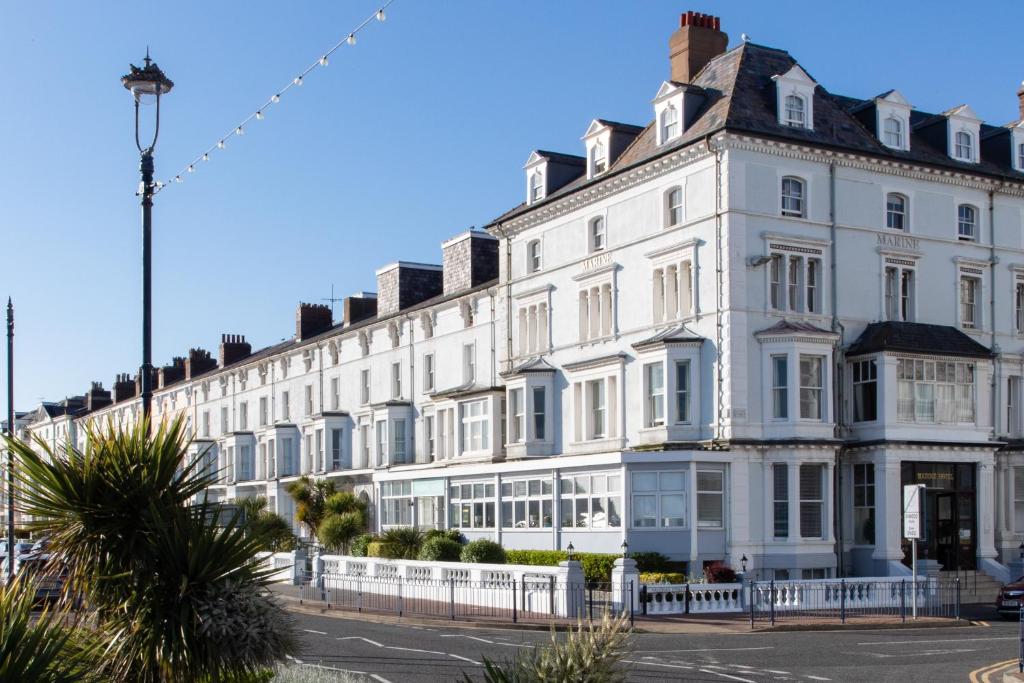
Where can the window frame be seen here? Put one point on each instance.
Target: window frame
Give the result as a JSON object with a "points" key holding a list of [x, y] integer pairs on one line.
{"points": [[659, 493], [900, 214], [597, 234], [487, 500], [666, 125], [673, 208], [780, 389], [706, 493], [810, 389], [793, 204], [780, 505], [534, 259], [864, 490], [794, 111], [864, 374], [898, 143], [963, 145], [520, 495], [606, 499], [967, 227], [536, 186], [819, 502]]}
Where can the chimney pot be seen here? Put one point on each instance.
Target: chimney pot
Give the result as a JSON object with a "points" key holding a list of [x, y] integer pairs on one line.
{"points": [[698, 41]]}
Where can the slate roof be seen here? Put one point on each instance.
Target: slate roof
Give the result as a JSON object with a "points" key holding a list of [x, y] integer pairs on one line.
{"points": [[938, 340], [794, 327], [740, 96], [533, 365], [678, 333]]}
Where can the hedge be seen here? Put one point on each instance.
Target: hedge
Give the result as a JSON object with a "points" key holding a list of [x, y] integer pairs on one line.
{"points": [[358, 546], [662, 577], [376, 548], [597, 567]]}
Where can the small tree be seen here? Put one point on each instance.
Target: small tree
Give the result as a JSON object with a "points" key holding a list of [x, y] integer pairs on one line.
{"points": [[402, 543], [344, 519], [259, 521], [310, 496]]}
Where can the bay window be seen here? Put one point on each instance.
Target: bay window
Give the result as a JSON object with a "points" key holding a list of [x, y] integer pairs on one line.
{"points": [[472, 505], [812, 501], [659, 499], [539, 413], [396, 503], [811, 385], [654, 395], [865, 390], [780, 387], [527, 504], [517, 431], [683, 391], [474, 416], [397, 441], [935, 391], [590, 501]]}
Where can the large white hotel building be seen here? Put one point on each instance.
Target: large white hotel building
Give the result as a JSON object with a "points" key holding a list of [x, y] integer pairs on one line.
{"points": [[737, 330]]}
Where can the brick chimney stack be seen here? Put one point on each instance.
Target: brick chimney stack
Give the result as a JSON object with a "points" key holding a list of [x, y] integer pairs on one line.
{"points": [[198, 362], [169, 374], [359, 307], [1020, 100], [233, 348], [311, 320], [698, 41], [124, 388], [97, 397]]}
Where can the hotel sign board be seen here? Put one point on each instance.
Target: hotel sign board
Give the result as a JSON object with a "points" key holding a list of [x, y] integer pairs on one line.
{"points": [[912, 499]]}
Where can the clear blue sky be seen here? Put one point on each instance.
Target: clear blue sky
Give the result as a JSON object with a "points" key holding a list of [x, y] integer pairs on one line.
{"points": [[415, 134]]}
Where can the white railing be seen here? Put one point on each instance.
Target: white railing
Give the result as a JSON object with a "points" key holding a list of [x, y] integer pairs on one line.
{"points": [[851, 593], [281, 563], [557, 591], [704, 598]]}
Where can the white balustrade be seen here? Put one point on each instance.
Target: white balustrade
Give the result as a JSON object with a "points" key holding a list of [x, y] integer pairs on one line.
{"points": [[705, 598], [851, 593]]}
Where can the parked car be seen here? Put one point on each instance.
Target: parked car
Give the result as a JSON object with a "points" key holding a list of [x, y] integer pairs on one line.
{"points": [[20, 549], [50, 573], [1009, 600]]}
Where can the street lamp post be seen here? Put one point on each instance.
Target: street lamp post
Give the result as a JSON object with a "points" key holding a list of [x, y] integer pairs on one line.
{"points": [[147, 84], [10, 433]]}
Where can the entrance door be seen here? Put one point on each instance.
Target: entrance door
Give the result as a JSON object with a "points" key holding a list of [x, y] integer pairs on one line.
{"points": [[945, 531]]}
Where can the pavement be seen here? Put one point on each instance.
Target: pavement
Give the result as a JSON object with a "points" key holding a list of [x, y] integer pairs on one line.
{"points": [[405, 651]]}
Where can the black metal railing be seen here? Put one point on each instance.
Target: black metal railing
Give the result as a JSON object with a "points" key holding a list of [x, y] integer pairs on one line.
{"points": [[524, 600], [845, 599]]}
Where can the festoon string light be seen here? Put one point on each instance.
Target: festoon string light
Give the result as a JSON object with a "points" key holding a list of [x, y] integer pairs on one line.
{"points": [[260, 113]]}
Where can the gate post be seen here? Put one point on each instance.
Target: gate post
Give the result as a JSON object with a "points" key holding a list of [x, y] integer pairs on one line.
{"points": [[842, 601], [686, 598], [631, 604], [752, 588]]}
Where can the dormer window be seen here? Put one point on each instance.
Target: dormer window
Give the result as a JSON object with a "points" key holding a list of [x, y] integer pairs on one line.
{"points": [[669, 123], [533, 256], [598, 159], [597, 234], [964, 146], [794, 91], [893, 133], [796, 114], [536, 186]]}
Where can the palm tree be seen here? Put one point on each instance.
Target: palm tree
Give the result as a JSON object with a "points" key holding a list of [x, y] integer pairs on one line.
{"points": [[344, 519], [310, 496], [260, 521], [403, 543], [177, 592]]}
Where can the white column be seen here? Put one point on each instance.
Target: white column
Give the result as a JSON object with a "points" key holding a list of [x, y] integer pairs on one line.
{"points": [[985, 502], [888, 509], [692, 491]]}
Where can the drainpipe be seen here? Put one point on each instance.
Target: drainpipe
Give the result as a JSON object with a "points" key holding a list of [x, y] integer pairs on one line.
{"points": [[839, 415], [992, 260], [719, 295]]}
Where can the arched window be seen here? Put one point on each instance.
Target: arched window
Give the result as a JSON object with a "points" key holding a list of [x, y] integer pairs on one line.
{"points": [[533, 256], [893, 132], [896, 211], [964, 146], [536, 186], [674, 207], [669, 123], [796, 114], [967, 222], [793, 197], [598, 159], [598, 239]]}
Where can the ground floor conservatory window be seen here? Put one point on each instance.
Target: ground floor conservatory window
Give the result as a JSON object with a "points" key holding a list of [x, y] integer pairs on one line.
{"points": [[935, 391]]}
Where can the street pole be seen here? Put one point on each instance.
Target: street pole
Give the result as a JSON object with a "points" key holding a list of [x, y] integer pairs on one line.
{"points": [[146, 168], [913, 583], [10, 433]]}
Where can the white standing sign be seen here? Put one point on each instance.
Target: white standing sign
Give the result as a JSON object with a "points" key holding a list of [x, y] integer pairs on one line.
{"points": [[912, 511]]}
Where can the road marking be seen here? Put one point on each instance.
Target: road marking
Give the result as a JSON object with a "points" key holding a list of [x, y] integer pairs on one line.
{"points": [[319, 633], [951, 640], [817, 678], [465, 659], [367, 640], [460, 635], [720, 649], [734, 678], [670, 666], [379, 678], [781, 673], [983, 674], [412, 649], [516, 645]]}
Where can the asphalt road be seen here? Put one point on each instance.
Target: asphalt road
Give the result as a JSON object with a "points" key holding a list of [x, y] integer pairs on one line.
{"points": [[390, 653]]}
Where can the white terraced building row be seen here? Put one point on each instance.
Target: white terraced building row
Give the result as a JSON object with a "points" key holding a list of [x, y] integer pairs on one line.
{"points": [[737, 331]]}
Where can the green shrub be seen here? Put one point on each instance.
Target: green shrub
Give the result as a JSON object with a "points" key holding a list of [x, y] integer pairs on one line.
{"points": [[402, 543], [597, 567], [652, 562], [376, 548], [358, 546], [662, 577], [440, 549], [720, 573], [453, 534], [535, 558], [483, 550]]}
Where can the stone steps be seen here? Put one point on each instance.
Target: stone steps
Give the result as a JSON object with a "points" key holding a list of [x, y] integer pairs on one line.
{"points": [[975, 587]]}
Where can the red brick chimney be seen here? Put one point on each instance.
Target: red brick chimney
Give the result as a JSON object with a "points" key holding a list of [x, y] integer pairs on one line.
{"points": [[1020, 100], [233, 348], [697, 42], [312, 319]]}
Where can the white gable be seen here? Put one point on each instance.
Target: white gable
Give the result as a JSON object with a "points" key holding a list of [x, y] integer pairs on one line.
{"points": [[667, 89], [535, 158], [963, 120], [897, 98], [595, 128], [893, 106], [795, 75], [964, 111]]}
